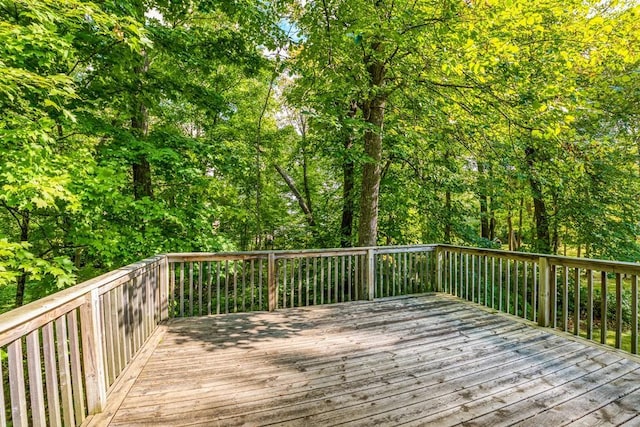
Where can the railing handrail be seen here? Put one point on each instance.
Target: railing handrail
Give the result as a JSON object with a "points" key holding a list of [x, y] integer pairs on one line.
{"points": [[286, 253], [22, 320], [623, 267]]}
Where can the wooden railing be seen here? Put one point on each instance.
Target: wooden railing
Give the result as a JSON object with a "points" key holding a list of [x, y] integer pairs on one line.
{"points": [[62, 355], [595, 299], [213, 283]]}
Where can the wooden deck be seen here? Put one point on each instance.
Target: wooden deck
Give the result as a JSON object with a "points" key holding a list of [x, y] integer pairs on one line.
{"points": [[427, 360]]}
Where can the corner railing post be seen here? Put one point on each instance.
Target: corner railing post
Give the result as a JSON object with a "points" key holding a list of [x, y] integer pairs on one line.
{"points": [[544, 299], [94, 369], [438, 269], [164, 288], [371, 274], [271, 282]]}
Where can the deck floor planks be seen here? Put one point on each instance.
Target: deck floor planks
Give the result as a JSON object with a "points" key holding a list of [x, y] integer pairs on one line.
{"points": [[384, 382], [617, 412], [412, 360]]}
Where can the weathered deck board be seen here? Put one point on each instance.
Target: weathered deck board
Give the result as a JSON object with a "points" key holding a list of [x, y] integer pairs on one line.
{"points": [[428, 360]]}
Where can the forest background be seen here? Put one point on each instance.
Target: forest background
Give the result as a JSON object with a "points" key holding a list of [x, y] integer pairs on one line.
{"points": [[130, 128]]}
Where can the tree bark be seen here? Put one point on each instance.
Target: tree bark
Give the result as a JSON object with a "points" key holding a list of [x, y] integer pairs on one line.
{"points": [[542, 241], [304, 206], [512, 240], [142, 186], [348, 186], [484, 202], [373, 111], [447, 220], [21, 284]]}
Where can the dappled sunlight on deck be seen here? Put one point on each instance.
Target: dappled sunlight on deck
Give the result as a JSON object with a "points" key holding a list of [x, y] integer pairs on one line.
{"points": [[421, 360]]}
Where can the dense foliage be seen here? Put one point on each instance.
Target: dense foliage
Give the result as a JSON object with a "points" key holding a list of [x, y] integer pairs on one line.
{"points": [[131, 128]]}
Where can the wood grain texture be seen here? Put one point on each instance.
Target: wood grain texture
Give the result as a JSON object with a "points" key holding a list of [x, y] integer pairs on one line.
{"points": [[426, 360]]}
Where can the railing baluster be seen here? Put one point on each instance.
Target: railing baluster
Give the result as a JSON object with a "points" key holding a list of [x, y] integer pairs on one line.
{"points": [[500, 284], [235, 286], [411, 270], [315, 281], [473, 279], [252, 284], [634, 314], [565, 298], [172, 289], [260, 303], [349, 278], [209, 286], [553, 289], [342, 279], [218, 299], [493, 282], [293, 287], [200, 274], [618, 342], [329, 277], [336, 278], [486, 279], [17, 385], [534, 292], [405, 282], [508, 293], [525, 290], [3, 418], [589, 274], [480, 274], [544, 293], [284, 283], [321, 280], [191, 290], [272, 285], [51, 375], [65, 371], [109, 345], [306, 282], [226, 287], [182, 289], [76, 367], [603, 307], [576, 301], [36, 388], [516, 283]]}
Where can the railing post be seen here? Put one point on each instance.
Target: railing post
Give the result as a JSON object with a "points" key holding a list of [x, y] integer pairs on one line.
{"points": [[544, 299], [438, 269], [371, 274], [164, 289], [94, 369], [271, 282]]}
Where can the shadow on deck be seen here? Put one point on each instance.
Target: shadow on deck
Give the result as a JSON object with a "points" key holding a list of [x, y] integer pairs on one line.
{"points": [[426, 360]]}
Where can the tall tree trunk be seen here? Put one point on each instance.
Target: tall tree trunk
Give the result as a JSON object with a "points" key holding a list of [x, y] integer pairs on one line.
{"points": [[492, 221], [140, 126], [447, 221], [511, 239], [24, 237], [348, 202], [520, 219], [348, 185], [305, 206], [373, 111], [542, 241], [484, 202], [555, 234]]}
